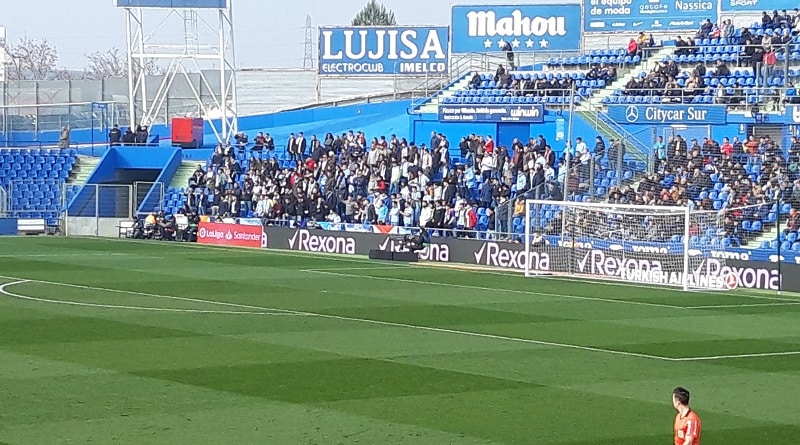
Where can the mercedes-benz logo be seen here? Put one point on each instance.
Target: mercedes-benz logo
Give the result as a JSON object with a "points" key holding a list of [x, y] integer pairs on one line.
{"points": [[632, 113]]}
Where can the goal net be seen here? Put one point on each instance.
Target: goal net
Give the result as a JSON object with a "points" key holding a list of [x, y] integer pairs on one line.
{"points": [[658, 245]]}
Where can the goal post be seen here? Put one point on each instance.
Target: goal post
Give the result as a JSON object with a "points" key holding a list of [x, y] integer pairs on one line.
{"points": [[649, 245]]}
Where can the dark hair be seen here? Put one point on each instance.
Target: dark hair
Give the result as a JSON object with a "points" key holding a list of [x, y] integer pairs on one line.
{"points": [[682, 395]]}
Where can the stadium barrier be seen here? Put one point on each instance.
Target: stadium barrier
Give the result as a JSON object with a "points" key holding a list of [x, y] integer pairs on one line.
{"points": [[635, 267]]}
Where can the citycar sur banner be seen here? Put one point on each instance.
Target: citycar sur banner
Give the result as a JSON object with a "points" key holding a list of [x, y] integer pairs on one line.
{"points": [[239, 235], [383, 50]]}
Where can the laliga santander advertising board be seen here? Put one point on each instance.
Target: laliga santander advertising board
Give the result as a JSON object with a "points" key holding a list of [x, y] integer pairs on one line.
{"points": [[238, 235]]}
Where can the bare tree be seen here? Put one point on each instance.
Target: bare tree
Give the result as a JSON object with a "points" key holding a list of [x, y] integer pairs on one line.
{"points": [[105, 65], [32, 59], [114, 64], [150, 67]]}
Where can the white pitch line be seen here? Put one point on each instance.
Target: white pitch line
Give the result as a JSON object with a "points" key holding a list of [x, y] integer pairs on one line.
{"points": [[359, 320], [513, 291], [735, 356], [733, 306], [422, 328], [4, 291], [59, 255], [145, 294], [337, 269]]}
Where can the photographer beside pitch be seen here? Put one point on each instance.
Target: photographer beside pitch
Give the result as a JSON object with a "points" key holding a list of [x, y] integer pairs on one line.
{"points": [[415, 242]]}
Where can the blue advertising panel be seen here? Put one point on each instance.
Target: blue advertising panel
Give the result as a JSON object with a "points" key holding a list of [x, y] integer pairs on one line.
{"points": [[526, 27], [383, 50], [757, 5], [647, 15], [668, 114], [203, 4], [491, 113]]}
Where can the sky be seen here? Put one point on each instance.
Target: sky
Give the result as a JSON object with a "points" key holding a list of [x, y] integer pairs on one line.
{"points": [[268, 33]]}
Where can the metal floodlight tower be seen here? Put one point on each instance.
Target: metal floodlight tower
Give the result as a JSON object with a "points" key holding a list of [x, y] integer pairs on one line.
{"points": [[206, 48]]}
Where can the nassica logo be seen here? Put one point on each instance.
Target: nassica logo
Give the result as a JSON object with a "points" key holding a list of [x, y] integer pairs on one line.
{"points": [[307, 241]]}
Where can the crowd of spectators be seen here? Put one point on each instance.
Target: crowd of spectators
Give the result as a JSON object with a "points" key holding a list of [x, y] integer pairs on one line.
{"points": [[758, 51], [388, 181]]}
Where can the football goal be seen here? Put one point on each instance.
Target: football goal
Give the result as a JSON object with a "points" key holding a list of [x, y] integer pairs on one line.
{"points": [[652, 245]]}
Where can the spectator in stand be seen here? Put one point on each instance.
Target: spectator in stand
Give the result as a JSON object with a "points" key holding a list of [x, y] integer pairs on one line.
{"points": [[500, 73], [680, 47], [599, 147], [728, 32], [726, 149], [633, 47], [721, 70], [509, 55], [476, 81], [114, 136], [659, 149], [141, 135], [705, 29]]}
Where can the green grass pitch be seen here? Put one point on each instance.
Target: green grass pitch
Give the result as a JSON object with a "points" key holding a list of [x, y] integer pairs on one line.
{"points": [[105, 341]]}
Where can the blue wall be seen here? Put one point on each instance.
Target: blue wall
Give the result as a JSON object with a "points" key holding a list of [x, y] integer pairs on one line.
{"points": [[153, 197], [131, 158], [421, 127]]}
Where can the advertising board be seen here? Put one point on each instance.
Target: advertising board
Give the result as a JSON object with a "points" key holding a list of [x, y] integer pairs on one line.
{"points": [[491, 113], [643, 267], [202, 4], [239, 235], [383, 50], [668, 114], [647, 15], [755, 5], [486, 28]]}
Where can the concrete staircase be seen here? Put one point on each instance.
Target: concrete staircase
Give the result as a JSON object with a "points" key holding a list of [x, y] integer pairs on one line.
{"points": [[432, 106], [623, 76], [182, 175], [83, 168]]}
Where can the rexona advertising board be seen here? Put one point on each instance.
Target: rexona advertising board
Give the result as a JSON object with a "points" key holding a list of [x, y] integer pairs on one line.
{"points": [[371, 51], [239, 235], [704, 273], [714, 272], [487, 28]]}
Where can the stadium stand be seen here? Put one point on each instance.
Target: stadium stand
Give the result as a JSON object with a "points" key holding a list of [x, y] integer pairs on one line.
{"points": [[35, 179]]}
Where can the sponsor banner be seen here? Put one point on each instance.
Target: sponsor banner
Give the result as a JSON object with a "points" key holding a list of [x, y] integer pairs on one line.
{"points": [[719, 270], [794, 111], [755, 5], [647, 15], [205, 4], [240, 235], [465, 251], [704, 273], [383, 50], [487, 28], [492, 113], [668, 114]]}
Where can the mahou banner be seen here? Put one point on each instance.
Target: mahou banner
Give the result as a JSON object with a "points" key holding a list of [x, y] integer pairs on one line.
{"points": [[231, 235]]}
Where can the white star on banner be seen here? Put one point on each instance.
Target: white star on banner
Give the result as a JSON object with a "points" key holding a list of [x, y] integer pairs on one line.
{"points": [[501, 43], [487, 43], [543, 43], [515, 43], [529, 43]]}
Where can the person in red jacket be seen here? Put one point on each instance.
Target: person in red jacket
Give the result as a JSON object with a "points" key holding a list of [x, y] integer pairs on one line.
{"points": [[633, 47]]}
